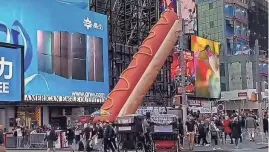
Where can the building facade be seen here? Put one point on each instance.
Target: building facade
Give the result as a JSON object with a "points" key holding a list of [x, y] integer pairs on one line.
{"points": [[258, 26], [227, 21], [234, 24]]}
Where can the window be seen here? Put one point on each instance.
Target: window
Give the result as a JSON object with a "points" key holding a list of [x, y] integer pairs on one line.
{"points": [[222, 69], [211, 24], [223, 87], [210, 5]]}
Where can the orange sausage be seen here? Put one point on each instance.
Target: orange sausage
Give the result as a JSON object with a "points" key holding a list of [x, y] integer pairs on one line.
{"points": [[130, 76]]}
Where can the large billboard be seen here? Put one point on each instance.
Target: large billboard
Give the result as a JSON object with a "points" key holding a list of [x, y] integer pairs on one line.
{"points": [[66, 49], [206, 67], [188, 13], [11, 73], [176, 72], [83, 4]]}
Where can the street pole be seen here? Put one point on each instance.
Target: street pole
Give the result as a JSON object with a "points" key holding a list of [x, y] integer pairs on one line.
{"points": [[182, 63], [259, 88]]}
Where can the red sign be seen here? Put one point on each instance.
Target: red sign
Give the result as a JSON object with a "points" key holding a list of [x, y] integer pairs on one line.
{"points": [[162, 144], [85, 119], [242, 94]]}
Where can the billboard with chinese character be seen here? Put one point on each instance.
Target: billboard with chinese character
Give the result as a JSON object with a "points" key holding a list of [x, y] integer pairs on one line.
{"points": [[66, 49], [206, 67], [11, 73]]}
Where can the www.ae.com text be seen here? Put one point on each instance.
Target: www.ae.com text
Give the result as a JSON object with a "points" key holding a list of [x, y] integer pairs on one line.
{"points": [[76, 97]]}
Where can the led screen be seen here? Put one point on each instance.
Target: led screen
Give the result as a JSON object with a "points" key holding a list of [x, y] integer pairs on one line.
{"points": [[189, 71], [206, 67]]}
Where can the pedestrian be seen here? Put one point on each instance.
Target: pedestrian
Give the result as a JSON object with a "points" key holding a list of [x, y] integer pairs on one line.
{"points": [[265, 125], [27, 136], [181, 131], [89, 134], [191, 128], [70, 135], [202, 134], [77, 136], [19, 136], [108, 134], [227, 129], [251, 126], [214, 130], [100, 135], [2, 147], [51, 137], [113, 136], [236, 130]]}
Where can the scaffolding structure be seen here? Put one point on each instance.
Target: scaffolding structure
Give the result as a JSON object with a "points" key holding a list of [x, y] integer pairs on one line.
{"points": [[129, 24]]}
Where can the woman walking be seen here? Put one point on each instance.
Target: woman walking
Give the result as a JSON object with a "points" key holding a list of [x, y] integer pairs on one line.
{"points": [[227, 128], [236, 131], [214, 135]]}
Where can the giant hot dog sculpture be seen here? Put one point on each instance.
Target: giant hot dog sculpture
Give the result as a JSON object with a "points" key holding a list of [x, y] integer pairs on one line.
{"points": [[154, 67], [130, 76]]}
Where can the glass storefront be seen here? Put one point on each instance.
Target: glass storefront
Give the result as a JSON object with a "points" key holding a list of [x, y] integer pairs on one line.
{"points": [[29, 116]]}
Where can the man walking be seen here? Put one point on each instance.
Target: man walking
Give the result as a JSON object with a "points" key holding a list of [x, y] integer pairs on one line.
{"points": [[108, 134], [250, 126]]}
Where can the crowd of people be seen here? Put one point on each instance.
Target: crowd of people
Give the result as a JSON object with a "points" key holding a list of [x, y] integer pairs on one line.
{"points": [[100, 136], [211, 130], [200, 130]]}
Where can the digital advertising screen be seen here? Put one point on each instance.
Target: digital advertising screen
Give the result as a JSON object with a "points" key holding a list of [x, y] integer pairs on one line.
{"points": [[206, 67], [65, 49], [11, 73], [189, 71]]}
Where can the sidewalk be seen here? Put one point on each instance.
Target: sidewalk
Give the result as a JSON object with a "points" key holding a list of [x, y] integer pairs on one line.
{"points": [[246, 145]]}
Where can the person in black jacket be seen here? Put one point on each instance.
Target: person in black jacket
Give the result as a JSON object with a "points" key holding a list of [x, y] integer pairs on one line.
{"points": [[180, 131], [51, 137], [70, 135], [202, 133], [265, 125], [108, 135], [236, 130]]}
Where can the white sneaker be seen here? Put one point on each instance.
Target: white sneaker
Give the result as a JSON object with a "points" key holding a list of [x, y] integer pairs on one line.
{"points": [[207, 145], [219, 148], [214, 148], [236, 147]]}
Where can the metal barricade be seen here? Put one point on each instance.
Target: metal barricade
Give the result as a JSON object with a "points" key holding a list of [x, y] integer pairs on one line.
{"points": [[37, 140]]}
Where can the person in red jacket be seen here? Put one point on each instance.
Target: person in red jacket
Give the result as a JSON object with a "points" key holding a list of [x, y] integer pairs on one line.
{"points": [[227, 128]]}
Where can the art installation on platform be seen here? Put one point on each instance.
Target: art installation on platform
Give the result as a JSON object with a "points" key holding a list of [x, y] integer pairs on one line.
{"points": [[130, 77]]}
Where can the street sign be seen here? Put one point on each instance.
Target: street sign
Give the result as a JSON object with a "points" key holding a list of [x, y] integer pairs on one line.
{"points": [[242, 94], [220, 107]]}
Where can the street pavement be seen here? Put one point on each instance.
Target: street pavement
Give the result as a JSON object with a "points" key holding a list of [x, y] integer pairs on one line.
{"points": [[245, 146]]}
